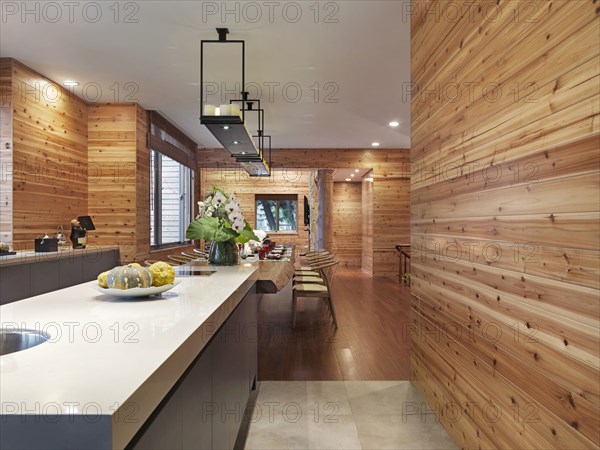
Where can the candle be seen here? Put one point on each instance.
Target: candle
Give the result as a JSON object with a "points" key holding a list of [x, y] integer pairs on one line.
{"points": [[209, 110], [225, 110]]}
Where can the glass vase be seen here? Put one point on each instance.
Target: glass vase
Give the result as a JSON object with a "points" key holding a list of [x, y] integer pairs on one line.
{"points": [[223, 254]]}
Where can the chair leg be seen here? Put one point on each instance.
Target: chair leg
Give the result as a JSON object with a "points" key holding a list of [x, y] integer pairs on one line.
{"points": [[330, 303], [294, 309]]}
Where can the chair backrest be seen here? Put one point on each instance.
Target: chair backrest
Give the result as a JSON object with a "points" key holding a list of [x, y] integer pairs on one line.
{"points": [[190, 257], [320, 260], [327, 270], [178, 259], [318, 255]]}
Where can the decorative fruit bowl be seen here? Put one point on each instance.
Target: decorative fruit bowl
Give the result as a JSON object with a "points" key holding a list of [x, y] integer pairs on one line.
{"points": [[134, 292], [133, 280]]}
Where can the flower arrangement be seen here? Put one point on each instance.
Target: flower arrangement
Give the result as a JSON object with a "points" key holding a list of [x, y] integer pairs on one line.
{"points": [[220, 219]]}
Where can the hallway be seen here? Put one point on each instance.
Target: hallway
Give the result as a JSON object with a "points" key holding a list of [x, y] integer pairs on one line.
{"points": [[371, 342]]}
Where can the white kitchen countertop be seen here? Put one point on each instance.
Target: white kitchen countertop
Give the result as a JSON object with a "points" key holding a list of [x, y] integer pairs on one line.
{"points": [[114, 356]]}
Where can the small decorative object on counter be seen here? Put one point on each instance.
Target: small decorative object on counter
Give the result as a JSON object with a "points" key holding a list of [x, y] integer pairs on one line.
{"points": [[78, 234], [162, 273], [45, 244], [5, 249], [129, 276], [62, 238], [221, 222]]}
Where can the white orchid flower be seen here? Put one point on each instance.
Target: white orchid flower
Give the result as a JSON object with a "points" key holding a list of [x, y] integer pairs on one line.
{"points": [[218, 199], [238, 225], [230, 207], [235, 215]]}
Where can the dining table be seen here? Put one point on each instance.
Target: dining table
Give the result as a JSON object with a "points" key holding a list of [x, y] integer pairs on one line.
{"points": [[274, 272]]}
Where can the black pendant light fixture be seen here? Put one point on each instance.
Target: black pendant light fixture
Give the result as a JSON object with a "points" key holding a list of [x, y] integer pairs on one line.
{"points": [[227, 122]]}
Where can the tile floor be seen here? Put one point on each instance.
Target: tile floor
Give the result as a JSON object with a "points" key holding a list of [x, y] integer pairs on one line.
{"points": [[343, 415]]}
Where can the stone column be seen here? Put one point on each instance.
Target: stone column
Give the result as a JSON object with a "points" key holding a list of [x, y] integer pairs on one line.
{"points": [[325, 217]]}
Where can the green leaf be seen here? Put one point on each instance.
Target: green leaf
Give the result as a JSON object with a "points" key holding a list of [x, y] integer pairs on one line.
{"points": [[209, 229], [247, 234]]}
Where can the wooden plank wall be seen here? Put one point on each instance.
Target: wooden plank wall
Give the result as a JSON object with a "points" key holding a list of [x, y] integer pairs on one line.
{"points": [[391, 189], [142, 192], [347, 223], [49, 128], [288, 181], [367, 224], [113, 184], [505, 222]]}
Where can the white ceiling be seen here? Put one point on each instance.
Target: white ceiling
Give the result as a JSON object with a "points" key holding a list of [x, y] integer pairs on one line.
{"points": [[364, 56]]}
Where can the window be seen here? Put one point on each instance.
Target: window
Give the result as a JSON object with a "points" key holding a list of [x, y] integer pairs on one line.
{"points": [[171, 200], [276, 213]]}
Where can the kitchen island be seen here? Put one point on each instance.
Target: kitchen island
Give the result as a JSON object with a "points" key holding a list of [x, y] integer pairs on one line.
{"points": [[29, 273], [124, 373]]}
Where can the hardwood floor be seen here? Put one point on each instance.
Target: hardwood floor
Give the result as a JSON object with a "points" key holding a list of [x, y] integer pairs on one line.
{"points": [[371, 342]]}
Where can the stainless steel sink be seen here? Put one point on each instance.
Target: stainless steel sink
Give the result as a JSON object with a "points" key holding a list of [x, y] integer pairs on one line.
{"points": [[12, 341]]}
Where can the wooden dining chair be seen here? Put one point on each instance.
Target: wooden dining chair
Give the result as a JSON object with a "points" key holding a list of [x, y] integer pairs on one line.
{"points": [[200, 253], [178, 259], [313, 262], [310, 270], [194, 257], [317, 290]]}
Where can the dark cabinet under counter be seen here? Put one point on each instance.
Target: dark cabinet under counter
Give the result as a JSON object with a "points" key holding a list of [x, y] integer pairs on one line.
{"points": [[29, 273]]}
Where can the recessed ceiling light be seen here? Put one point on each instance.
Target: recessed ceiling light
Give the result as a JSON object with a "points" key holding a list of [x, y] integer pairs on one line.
{"points": [[348, 179], [71, 83], [226, 127], [375, 144], [394, 123], [243, 153], [351, 174], [356, 170], [236, 142]]}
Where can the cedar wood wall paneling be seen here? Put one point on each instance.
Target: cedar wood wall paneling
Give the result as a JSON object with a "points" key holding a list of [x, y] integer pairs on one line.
{"points": [[49, 128], [119, 188], [367, 225], [113, 140], [504, 222], [391, 190], [58, 173], [347, 223]]}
